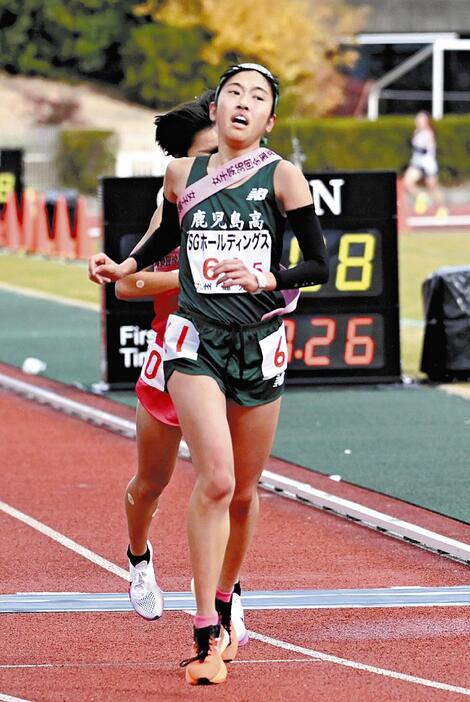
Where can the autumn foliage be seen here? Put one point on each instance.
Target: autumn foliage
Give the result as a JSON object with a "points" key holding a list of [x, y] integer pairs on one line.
{"points": [[305, 43]]}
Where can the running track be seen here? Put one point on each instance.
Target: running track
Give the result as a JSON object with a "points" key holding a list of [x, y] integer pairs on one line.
{"points": [[70, 476]]}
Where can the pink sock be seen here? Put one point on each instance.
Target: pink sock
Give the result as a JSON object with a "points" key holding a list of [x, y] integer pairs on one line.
{"points": [[223, 596], [201, 621]]}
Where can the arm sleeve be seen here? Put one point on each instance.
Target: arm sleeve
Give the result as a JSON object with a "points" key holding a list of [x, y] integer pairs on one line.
{"points": [[163, 240], [314, 268]]}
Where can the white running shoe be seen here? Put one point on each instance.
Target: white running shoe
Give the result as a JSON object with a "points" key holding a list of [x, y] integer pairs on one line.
{"points": [[238, 619], [144, 593]]}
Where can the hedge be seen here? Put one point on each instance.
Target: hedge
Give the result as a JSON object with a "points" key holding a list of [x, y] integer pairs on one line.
{"points": [[356, 144], [83, 156]]}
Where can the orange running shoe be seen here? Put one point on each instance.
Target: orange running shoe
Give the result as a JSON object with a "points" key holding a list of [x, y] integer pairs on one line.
{"points": [[206, 665]]}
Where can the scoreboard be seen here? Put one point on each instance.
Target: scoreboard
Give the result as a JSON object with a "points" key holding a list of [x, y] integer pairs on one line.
{"points": [[348, 329], [345, 331]]}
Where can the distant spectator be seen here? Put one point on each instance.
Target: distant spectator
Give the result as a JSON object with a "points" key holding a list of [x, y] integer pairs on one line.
{"points": [[421, 178]]}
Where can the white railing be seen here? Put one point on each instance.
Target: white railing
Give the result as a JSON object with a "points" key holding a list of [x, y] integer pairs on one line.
{"points": [[436, 48], [40, 171], [141, 163]]}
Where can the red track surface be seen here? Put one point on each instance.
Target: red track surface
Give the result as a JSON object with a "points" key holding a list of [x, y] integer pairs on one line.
{"points": [[71, 476]]}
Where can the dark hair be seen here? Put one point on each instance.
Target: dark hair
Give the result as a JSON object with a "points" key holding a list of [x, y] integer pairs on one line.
{"points": [[270, 77], [177, 128]]}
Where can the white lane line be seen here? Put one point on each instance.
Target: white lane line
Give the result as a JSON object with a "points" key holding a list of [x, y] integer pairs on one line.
{"points": [[327, 658], [317, 655], [64, 541], [9, 698]]}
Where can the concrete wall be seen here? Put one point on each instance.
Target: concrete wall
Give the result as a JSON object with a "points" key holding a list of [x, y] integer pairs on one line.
{"points": [[417, 15]]}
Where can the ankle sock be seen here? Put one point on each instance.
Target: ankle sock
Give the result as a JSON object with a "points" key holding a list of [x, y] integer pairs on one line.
{"points": [[138, 559], [223, 596], [201, 621]]}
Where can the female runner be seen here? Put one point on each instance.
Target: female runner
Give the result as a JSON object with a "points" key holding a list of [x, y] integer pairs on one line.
{"points": [[225, 349], [423, 168]]}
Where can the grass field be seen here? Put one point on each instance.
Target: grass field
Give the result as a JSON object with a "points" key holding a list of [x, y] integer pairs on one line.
{"points": [[419, 255]]}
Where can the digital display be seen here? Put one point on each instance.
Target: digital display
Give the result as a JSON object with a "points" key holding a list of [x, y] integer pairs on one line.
{"points": [[355, 263], [335, 341]]}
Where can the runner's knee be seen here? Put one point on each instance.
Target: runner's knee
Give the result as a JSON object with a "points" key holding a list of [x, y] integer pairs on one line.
{"points": [[149, 490], [242, 503], [218, 486]]}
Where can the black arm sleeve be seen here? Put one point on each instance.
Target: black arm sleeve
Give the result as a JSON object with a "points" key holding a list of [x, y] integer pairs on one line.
{"points": [[163, 240], [314, 269]]}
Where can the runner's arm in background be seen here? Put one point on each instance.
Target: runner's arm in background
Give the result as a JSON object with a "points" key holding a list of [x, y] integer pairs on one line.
{"points": [[146, 284]]}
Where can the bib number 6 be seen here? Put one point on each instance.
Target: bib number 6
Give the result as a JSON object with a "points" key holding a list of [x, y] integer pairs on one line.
{"points": [[274, 351]]}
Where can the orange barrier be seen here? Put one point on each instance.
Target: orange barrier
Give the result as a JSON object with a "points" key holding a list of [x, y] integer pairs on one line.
{"points": [[83, 240], [11, 222], [42, 240], [61, 230], [28, 219], [31, 232]]}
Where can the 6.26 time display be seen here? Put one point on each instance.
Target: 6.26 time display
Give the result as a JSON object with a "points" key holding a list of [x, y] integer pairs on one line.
{"points": [[348, 329]]}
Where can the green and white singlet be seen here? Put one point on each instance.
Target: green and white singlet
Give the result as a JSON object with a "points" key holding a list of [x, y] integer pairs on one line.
{"points": [[241, 222]]}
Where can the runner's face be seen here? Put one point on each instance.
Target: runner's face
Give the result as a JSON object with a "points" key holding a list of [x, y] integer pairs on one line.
{"points": [[422, 120], [243, 110], [204, 143]]}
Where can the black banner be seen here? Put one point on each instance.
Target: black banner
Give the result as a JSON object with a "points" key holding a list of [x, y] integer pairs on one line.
{"points": [[11, 175]]}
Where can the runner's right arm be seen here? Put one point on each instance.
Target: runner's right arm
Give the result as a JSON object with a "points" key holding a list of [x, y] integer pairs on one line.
{"points": [[102, 268]]}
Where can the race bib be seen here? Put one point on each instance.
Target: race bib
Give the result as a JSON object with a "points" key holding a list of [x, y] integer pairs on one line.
{"points": [[206, 249], [152, 369], [274, 350], [181, 338]]}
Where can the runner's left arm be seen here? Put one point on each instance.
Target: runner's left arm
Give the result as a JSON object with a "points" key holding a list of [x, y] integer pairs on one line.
{"points": [[294, 196]]}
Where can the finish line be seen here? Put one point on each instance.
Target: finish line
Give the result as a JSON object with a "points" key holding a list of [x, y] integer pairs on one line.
{"points": [[56, 602]]}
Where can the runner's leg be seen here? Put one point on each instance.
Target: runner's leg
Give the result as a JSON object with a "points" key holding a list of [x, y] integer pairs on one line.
{"points": [[411, 180], [432, 184], [201, 408], [252, 430], [157, 449]]}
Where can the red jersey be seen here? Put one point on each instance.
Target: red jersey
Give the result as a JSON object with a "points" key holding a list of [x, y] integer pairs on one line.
{"points": [[149, 388]]}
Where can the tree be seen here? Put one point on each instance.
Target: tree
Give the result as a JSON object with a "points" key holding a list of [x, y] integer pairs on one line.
{"points": [[64, 37], [301, 41], [163, 65]]}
